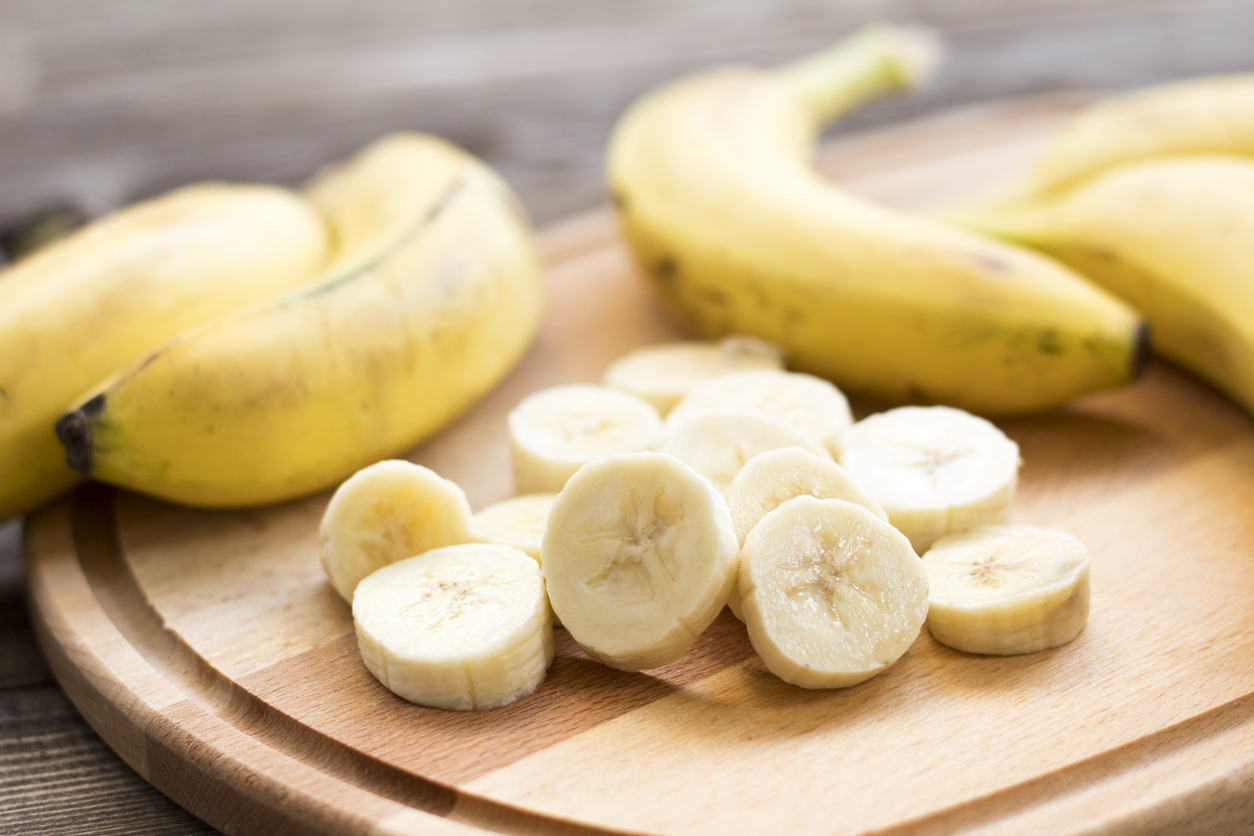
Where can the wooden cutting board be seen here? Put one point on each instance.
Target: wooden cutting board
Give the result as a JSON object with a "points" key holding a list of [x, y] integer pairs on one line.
{"points": [[209, 651]]}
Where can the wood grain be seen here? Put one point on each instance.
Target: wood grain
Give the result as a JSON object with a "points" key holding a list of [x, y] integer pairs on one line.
{"points": [[208, 649]]}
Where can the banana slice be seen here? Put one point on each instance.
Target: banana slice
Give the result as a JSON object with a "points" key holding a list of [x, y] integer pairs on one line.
{"points": [[832, 594], [556, 431], [639, 555], [387, 512], [934, 469], [772, 478], [517, 523], [663, 374], [459, 627], [717, 443], [1006, 590], [809, 403]]}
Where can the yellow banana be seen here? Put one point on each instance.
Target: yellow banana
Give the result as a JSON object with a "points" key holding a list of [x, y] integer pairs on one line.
{"points": [[1174, 236], [1213, 114], [78, 310], [716, 196], [407, 331]]}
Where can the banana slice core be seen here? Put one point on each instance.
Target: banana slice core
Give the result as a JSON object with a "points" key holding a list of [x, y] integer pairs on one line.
{"points": [[935, 470], [1006, 590], [461, 627], [639, 556], [832, 595], [387, 512]]}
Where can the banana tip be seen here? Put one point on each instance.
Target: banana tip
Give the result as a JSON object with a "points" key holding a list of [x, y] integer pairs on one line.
{"points": [[74, 431]]}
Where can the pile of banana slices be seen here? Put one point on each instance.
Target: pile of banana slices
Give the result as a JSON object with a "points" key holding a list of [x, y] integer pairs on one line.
{"points": [[700, 475]]}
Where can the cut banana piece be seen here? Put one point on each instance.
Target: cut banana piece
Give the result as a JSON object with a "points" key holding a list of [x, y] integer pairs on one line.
{"points": [[934, 469], [1005, 590], [663, 374], [809, 403], [517, 523], [556, 431], [776, 476], [717, 443], [387, 512], [459, 627], [638, 556], [832, 594]]}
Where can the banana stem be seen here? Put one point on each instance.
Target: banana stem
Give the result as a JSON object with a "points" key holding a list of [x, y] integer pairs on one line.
{"points": [[874, 62]]}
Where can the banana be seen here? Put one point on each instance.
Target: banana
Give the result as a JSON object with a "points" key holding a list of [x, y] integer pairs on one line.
{"points": [[832, 594], [518, 522], [809, 403], [738, 233], [717, 443], [935, 470], [389, 511], [461, 627], [1172, 235], [409, 329], [638, 556], [1006, 590], [79, 310], [1209, 115], [770, 479], [556, 431], [662, 374]]}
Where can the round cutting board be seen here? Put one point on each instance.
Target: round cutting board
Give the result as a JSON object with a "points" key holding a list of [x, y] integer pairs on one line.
{"points": [[208, 649]]}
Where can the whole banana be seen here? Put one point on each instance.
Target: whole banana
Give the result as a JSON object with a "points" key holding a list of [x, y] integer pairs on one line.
{"points": [[77, 311], [435, 298], [717, 198], [1151, 195]]}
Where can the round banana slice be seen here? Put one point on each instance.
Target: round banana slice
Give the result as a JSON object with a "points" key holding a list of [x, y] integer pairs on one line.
{"points": [[662, 374], [1006, 590], [459, 627], [717, 443], [556, 431], [772, 478], [934, 469], [387, 512], [832, 594], [639, 555], [517, 523], [809, 403]]}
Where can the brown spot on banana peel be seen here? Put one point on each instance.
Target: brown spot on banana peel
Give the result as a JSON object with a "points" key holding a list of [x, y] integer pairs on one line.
{"points": [[74, 430]]}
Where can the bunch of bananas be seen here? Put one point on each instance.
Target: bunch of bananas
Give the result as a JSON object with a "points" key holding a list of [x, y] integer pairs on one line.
{"points": [[231, 345]]}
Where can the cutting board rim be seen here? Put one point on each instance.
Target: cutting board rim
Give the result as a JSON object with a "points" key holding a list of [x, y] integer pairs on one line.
{"points": [[88, 611]]}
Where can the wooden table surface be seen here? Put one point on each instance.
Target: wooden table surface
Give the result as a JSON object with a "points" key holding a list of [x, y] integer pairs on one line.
{"points": [[105, 102]]}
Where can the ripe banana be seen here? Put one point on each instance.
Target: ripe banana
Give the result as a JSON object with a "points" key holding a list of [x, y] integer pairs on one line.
{"points": [[462, 627], [832, 595], [389, 511], [935, 470], [518, 522], [809, 403], [1173, 235], [435, 298], [1005, 590], [639, 555], [717, 443], [717, 199], [79, 310], [556, 431], [663, 374], [1211, 115]]}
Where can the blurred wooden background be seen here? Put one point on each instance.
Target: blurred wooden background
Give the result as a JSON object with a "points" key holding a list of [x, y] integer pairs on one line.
{"points": [[108, 101]]}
